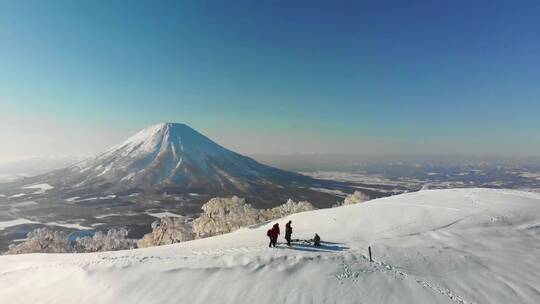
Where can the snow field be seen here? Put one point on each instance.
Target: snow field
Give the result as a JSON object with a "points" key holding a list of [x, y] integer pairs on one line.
{"points": [[433, 246]]}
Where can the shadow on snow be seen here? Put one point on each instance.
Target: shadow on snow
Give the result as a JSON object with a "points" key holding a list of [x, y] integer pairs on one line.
{"points": [[325, 247]]}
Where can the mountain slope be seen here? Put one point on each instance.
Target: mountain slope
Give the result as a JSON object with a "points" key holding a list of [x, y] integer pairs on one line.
{"points": [[172, 158], [172, 155], [435, 246]]}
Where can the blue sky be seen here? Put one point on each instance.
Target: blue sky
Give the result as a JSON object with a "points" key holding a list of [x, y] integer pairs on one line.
{"points": [[355, 77]]}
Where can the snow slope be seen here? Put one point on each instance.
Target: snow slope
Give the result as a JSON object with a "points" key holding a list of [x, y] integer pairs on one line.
{"points": [[433, 246]]}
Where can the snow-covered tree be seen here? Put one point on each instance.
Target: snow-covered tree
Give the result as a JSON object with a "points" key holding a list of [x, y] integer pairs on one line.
{"points": [[355, 198], [114, 239], [222, 215], [289, 207], [42, 240], [168, 230]]}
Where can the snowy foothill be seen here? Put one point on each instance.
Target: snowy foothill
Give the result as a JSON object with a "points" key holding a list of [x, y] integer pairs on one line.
{"points": [[77, 226], [41, 188], [73, 224], [23, 204], [15, 222], [102, 216], [432, 246], [22, 221], [110, 196], [331, 191], [163, 214]]}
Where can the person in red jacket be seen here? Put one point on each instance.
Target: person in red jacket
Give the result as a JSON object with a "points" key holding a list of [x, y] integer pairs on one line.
{"points": [[276, 227], [273, 235]]}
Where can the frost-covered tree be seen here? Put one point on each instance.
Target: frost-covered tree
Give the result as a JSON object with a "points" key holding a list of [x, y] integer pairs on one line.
{"points": [[222, 215], [42, 240], [288, 208], [168, 230], [355, 198], [114, 239]]}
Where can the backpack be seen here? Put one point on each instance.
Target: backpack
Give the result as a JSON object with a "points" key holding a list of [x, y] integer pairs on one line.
{"points": [[269, 232]]}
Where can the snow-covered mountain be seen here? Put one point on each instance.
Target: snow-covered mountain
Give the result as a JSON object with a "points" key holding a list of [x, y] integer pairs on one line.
{"points": [[433, 246], [171, 155]]}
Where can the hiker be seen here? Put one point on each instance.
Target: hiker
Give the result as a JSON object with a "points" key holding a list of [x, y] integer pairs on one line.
{"points": [[317, 240], [270, 235], [288, 233], [273, 235], [276, 233]]}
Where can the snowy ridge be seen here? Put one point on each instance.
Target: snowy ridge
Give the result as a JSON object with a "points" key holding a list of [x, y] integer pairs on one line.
{"points": [[433, 246]]}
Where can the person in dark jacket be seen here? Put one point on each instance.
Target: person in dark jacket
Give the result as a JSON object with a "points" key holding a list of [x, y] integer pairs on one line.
{"points": [[276, 233], [270, 235], [288, 232], [317, 240]]}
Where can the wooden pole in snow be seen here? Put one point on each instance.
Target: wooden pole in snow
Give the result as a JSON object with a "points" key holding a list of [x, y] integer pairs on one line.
{"points": [[369, 249]]}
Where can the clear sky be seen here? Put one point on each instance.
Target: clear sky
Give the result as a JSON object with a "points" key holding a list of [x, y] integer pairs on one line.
{"points": [[355, 77]]}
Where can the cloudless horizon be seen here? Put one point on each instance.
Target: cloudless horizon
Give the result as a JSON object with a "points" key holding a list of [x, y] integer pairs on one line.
{"points": [[347, 77]]}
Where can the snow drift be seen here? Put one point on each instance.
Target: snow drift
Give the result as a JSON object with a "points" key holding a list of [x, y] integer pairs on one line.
{"points": [[433, 246]]}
